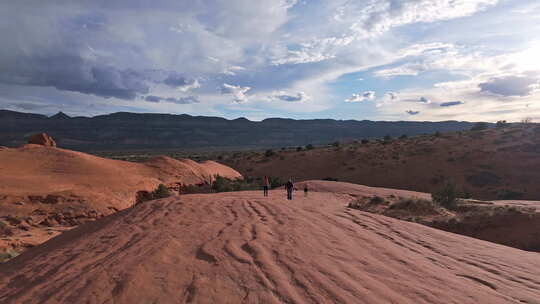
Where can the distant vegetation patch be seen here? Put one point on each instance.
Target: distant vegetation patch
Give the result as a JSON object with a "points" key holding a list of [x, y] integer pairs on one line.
{"points": [[223, 184], [484, 178]]}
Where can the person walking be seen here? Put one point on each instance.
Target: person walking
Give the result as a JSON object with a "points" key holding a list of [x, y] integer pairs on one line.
{"points": [[266, 185], [290, 187]]}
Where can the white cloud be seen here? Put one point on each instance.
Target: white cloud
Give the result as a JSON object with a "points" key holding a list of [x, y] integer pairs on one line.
{"points": [[380, 16], [368, 95], [238, 92]]}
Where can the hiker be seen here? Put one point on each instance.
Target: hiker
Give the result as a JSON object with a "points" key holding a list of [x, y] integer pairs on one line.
{"points": [[305, 190], [266, 185], [290, 187]]}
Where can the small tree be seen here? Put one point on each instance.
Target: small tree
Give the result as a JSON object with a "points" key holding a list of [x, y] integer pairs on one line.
{"points": [[479, 126], [310, 147], [298, 149], [161, 192], [269, 153], [501, 124], [387, 138], [335, 144], [365, 141], [526, 120], [446, 195], [403, 136]]}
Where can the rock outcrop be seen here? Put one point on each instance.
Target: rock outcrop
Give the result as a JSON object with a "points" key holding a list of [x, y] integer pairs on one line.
{"points": [[42, 139]]}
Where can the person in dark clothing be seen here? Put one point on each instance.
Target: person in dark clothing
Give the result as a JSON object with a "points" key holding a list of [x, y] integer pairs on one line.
{"points": [[305, 190], [290, 187], [266, 186]]}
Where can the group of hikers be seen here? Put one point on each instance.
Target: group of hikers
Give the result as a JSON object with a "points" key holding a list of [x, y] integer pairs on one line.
{"points": [[289, 186]]}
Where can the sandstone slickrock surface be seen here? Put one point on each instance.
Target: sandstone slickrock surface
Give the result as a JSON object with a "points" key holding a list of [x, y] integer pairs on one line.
{"points": [[244, 248]]}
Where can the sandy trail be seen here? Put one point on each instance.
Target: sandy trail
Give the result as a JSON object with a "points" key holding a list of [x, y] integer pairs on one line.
{"points": [[243, 248]]}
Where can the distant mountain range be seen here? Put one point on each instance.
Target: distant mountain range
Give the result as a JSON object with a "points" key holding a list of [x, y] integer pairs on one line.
{"points": [[125, 131]]}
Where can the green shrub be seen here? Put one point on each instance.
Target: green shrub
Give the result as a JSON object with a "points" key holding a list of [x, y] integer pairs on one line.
{"points": [[269, 153], [501, 124], [161, 192], [376, 200], [446, 195], [414, 205], [332, 179], [506, 194]]}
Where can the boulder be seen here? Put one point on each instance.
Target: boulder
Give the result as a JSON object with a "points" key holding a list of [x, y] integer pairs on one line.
{"points": [[42, 139]]}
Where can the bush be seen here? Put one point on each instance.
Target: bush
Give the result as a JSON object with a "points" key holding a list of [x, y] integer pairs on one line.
{"points": [[506, 194], [446, 195], [269, 153], [376, 200], [335, 144], [332, 179], [161, 192], [387, 138], [414, 205], [501, 124], [479, 126], [310, 147], [275, 182], [298, 149], [365, 141], [404, 136]]}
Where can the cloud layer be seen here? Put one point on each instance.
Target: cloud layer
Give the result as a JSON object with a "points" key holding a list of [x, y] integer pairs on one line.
{"points": [[271, 57]]}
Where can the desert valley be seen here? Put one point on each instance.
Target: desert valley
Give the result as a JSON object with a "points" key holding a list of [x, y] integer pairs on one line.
{"points": [[98, 229], [271, 151]]}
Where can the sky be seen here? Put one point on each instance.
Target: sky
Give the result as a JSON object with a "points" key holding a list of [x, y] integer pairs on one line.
{"points": [[417, 60]]}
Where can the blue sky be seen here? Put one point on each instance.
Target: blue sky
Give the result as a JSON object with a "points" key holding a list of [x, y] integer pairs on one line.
{"points": [[342, 59]]}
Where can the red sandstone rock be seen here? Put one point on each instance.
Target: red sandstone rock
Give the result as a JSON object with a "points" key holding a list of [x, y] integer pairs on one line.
{"points": [[42, 139]]}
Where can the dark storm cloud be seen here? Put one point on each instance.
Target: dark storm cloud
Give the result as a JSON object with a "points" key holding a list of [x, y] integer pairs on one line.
{"points": [[152, 98], [175, 80], [451, 103], [179, 100], [510, 85], [73, 73]]}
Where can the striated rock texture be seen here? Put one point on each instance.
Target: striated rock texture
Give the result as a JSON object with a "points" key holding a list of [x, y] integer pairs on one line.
{"points": [[240, 247], [42, 139]]}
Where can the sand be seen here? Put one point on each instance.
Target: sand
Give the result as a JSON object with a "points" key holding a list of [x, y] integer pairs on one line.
{"points": [[243, 248]]}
